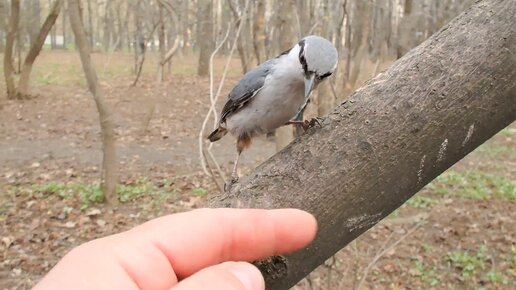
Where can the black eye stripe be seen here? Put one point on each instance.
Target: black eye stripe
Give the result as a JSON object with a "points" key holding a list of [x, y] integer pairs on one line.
{"points": [[325, 75], [302, 58]]}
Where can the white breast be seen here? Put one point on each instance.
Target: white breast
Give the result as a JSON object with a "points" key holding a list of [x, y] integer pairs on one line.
{"points": [[276, 103]]}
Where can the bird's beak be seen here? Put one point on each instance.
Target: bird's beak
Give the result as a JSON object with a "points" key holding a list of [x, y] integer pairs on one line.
{"points": [[309, 85]]}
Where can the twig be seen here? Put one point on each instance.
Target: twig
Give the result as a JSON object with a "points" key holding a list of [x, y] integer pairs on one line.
{"points": [[216, 164], [419, 223], [334, 93], [221, 84], [329, 276], [213, 175], [212, 103], [140, 66], [171, 52], [381, 253]]}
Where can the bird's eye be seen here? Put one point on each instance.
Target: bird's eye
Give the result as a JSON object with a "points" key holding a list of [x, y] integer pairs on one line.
{"points": [[322, 77]]}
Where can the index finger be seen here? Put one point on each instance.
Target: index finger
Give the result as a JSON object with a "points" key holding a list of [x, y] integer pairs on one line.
{"points": [[197, 239]]}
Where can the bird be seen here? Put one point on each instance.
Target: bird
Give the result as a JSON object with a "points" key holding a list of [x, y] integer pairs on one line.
{"points": [[275, 93]]}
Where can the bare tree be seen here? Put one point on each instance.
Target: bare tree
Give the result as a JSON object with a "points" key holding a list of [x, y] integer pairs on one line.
{"points": [[107, 128], [356, 167], [37, 45], [286, 27], [161, 39], [237, 14], [259, 31], [12, 30], [205, 35], [33, 20], [90, 24], [3, 24]]}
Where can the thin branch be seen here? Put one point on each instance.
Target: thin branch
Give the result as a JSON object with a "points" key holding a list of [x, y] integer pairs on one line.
{"points": [[213, 98], [212, 104], [221, 189], [171, 52], [140, 66], [382, 253]]}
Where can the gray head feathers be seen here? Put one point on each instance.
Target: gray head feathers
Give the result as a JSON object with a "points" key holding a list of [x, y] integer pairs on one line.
{"points": [[318, 55]]}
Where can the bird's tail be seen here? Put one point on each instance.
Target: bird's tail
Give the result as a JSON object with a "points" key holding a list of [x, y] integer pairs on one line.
{"points": [[217, 134]]}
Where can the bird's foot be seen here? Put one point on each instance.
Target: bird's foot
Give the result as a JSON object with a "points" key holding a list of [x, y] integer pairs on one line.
{"points": [[306, 124], [229, 183], [314, 121]]}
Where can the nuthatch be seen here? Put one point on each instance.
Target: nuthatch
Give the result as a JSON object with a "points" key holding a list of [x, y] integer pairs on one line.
{"points": [[274, 93]]}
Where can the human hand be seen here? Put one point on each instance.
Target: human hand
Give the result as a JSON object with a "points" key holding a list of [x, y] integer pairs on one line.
{"points": [[192, 250]]}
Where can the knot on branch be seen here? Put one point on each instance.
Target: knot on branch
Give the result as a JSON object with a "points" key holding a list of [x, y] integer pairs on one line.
{"points": [[272, 268]]}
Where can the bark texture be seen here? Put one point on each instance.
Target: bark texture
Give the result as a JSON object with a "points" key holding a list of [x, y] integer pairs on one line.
{"points": [[3, 24], [35, 49], [12, 30], [392, 137], [287, 39], [205, 35], [109, 165], [259, 32]]}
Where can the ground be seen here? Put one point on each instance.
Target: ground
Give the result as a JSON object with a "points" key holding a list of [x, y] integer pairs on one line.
{"points": [[457, 233]]}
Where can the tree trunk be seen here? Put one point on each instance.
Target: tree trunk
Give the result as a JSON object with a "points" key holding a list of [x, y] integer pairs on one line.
{"points": [[162, 44], [107, 128], [12, 30], [392, 137], [259, 32], [205, 35], [33, 21], [361, 19], [63, 22], [286, 24], [239, 16], [90, 25], [53, 33], [35, 49], [3, 24]]}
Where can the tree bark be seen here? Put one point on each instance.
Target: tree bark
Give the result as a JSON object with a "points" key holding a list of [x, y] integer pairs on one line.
{"points": [[286, 24], [107, 128], [392, 137], [259, 32], [35, 49], [162, 44], [205, 35], [239, 17], [63, 23], [33, 20], [3, 24], [12, 30], [90, 24]]}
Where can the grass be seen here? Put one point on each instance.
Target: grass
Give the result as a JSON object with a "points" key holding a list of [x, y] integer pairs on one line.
{"points": [[427, 273], [476, 267], [199, 191], [474, 185], [63, 67], [465, 184], [88, 194], [497, 150], [419, 201]]}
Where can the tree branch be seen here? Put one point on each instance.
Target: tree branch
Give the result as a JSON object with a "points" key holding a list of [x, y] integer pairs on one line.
{"points": [[392, 137]]}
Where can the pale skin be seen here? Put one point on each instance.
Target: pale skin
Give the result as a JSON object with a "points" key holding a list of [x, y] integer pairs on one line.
{"points": [[200, 249]]}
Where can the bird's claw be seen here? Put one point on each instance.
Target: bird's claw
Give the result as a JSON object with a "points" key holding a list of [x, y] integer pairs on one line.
{"points": [[306, 124], [229, 184], [313, 121]]}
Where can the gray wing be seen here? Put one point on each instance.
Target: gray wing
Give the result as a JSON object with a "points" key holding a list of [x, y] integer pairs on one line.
{"points": [[250, 84]]}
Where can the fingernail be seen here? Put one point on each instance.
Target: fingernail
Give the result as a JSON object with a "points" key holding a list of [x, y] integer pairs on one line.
{"points": [[248, 275]]}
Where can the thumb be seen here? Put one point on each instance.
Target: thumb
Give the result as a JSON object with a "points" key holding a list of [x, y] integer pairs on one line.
{"points": [[229, 275]]}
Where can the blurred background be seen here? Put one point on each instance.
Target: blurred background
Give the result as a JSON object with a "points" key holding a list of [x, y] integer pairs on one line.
{"points": [[159, 65]]}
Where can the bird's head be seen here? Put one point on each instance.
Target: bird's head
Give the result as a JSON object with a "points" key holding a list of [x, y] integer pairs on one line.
{"points": [[319, 58]]}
